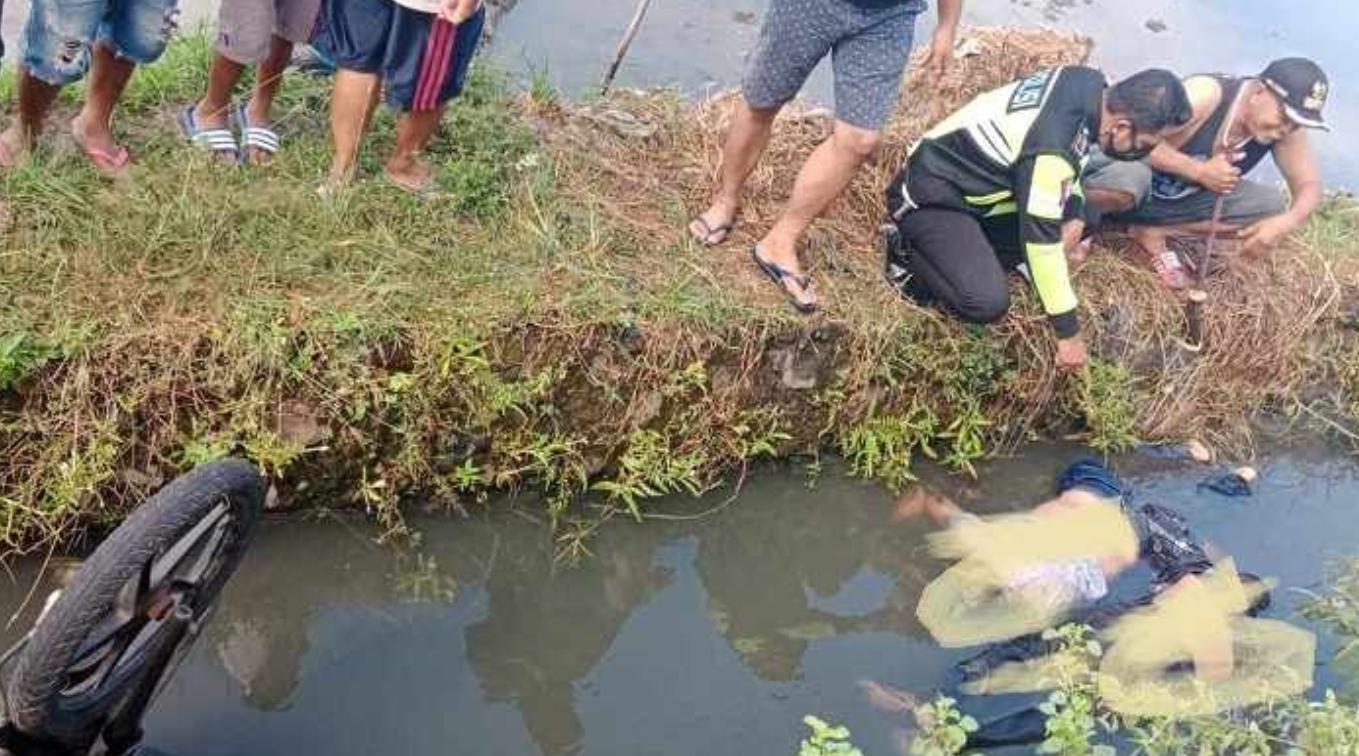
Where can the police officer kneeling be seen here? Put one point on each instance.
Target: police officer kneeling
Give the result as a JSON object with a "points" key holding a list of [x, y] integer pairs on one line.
{"points": [[996, 186]]}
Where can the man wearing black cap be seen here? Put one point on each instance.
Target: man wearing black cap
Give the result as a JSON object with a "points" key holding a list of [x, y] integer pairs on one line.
{"points": [[1236, 122]]}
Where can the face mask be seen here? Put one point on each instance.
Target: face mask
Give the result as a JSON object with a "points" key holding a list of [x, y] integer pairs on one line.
{"points": [[1131, 155]]}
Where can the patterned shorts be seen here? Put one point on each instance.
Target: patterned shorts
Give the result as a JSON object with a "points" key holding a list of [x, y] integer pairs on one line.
{"points": [[869, 48]]}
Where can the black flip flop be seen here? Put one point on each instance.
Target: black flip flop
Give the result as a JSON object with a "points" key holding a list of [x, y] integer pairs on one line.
{"points": [[777, 274], [706, 239]]}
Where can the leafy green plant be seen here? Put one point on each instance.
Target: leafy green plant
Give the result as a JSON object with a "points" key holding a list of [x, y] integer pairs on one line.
{"points": [[205, 449], [967, 438], [942, 728], [1071, 725], [21, 355], [1072, 710], [649, 468], [882, 447], [758, 433], [693, 378], [826, 739], [1106, 398], [1328, 727], [468, 476]]}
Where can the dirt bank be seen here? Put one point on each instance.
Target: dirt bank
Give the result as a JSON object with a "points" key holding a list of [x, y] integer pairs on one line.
{"points": [[550, 326]]}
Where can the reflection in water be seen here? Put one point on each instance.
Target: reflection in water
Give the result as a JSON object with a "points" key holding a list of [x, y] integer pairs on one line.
{"points": [[714, 635], [547, 628]]}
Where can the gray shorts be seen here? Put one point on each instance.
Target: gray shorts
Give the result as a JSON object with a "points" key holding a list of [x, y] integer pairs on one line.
{"points": [[246, 27], [869, 49], [1250, 202]]}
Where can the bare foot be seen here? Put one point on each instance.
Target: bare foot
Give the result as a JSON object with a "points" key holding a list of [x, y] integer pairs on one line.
{"points": [[14, 146], [909, 506], [921, 501], [715, 225], [92, 136], [210, 117], [410, 172], [887, 698]]}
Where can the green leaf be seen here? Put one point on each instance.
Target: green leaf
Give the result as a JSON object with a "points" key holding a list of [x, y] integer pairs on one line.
{"points": [[969, 724]]}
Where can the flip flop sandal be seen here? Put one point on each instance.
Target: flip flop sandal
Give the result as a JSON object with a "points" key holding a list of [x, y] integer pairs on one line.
{"points": [[110, 164], [217, 140], [706, 236], [262, 138], [777, 274]]}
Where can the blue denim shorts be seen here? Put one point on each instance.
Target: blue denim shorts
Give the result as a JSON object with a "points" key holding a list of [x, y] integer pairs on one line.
{"points": [[59, 34]]}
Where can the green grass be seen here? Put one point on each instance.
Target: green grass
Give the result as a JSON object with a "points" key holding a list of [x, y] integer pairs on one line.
{"points": [[518, 332]]}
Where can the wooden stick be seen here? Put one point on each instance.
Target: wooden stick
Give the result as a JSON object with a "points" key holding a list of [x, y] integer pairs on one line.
{"points": [[624, 44], [1198, 297]]}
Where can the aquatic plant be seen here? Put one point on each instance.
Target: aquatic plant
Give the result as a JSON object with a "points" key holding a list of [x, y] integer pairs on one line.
{"points": [[826, 739], [941, 729]]}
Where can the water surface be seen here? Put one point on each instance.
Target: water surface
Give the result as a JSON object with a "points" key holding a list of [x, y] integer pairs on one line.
{"points": [[713, 635]]}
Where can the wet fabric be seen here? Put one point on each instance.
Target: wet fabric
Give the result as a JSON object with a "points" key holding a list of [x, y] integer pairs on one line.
{"points": [[1227, 484], [1168, 545], [1059, 585], [1094, 477]]}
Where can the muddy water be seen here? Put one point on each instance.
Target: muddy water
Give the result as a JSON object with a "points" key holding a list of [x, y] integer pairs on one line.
{"points": [[713, 635]]}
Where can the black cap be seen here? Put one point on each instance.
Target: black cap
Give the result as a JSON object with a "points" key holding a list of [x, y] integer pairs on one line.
{"points": [[1302, 86]]}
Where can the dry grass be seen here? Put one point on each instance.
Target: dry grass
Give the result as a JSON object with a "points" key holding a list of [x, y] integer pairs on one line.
{"points": [[555, 318], [1258, 325]]}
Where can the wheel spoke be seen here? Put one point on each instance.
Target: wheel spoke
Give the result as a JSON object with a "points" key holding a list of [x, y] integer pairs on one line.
{"points": [[136, 616]]}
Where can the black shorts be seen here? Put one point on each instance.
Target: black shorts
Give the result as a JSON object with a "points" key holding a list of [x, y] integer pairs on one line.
{"points": [[422, 59]]}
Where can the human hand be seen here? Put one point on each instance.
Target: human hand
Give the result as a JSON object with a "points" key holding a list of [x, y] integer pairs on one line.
{"points": [[940, 56], [1075, 247], [1262, 236], [458, 11], [1218, 174], [1071, 353]]}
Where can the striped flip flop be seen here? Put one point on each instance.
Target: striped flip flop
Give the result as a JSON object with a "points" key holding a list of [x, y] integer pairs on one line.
{"points": [[219, 141], [262, 138]]}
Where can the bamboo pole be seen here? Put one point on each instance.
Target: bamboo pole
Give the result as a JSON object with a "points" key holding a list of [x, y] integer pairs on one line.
{"points": [[624, 44]]}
